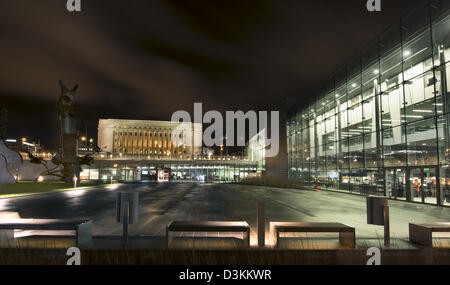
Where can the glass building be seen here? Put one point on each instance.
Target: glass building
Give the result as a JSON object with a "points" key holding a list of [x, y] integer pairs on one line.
{"points": [[380, 124], [203, 170]]}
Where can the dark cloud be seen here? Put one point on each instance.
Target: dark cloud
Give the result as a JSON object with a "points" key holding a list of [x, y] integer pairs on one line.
{"points": [[144, 59]]}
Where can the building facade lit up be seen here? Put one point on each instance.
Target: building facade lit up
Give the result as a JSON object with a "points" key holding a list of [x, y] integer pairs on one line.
{"points": [[136, 138], [380, 124], [135, 150]]}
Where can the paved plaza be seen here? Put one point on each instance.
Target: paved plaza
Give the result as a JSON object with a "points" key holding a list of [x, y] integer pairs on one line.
{"points": [[162, 203]]}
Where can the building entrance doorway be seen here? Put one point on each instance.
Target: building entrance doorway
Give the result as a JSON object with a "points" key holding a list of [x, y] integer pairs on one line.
{"points": [[413, 184], [423, 185], [396, 183]]}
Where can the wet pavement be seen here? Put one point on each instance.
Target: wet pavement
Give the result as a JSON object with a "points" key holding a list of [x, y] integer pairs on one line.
{"points": [[162, 203]]}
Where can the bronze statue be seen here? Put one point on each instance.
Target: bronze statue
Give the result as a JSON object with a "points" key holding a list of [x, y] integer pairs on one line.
{"points": [[67, 155], [65, 164], [66, 114], [68, 133]]}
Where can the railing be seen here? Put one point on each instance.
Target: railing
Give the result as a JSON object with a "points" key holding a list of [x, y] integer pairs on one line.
{"points": [[168, 157]]}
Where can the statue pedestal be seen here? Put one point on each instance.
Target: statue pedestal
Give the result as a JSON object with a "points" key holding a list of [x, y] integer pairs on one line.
{"points": [[69, 148], [69, 158]]}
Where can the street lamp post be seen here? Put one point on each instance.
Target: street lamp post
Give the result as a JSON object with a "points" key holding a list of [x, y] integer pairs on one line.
{"points": [[226, 146]]}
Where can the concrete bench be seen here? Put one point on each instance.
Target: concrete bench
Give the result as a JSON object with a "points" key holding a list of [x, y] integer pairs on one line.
{"points": [[82, 228], [422, 233], [208, 226], [346, 233]]}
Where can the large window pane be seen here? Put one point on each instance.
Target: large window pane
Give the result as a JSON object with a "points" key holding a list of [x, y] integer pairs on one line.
{"points": [[306, 173], [422, 146], [391, 69], [370, 151], [331, 156], [343, 154], [419, 98], [356, 152], [371, 86], [417, 56], [445, 185], [369, 116], [441, 41], [443, 123], [392, 102], [394, 147]]}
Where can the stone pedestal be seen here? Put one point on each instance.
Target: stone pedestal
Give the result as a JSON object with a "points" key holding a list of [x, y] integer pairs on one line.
{"points": [[69, 158]]}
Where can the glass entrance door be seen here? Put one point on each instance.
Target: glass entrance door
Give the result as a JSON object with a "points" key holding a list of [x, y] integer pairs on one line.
{"points": [[423, 185], [416, 185], [396, 183], [429, 185]]}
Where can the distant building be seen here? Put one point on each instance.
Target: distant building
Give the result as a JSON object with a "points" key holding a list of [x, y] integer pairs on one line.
{"points": [[256, 150], [137, 138], [133, 150]]}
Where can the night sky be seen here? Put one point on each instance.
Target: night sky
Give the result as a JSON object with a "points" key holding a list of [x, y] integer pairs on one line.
{"points": [[145, 59]]}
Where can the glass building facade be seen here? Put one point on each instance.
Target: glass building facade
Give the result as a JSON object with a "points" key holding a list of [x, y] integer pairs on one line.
{"points": [[380, 124], [178, 170]]}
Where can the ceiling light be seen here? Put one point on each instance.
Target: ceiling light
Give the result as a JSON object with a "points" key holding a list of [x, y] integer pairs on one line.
{"points": [[412, 116]]}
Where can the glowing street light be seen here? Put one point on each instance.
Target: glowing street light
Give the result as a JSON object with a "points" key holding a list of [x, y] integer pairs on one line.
{"points": [[24, 139]]}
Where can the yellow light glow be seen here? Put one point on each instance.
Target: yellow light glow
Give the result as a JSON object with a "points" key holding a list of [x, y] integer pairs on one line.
{"points": [[24, 139], [83, 139]]}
